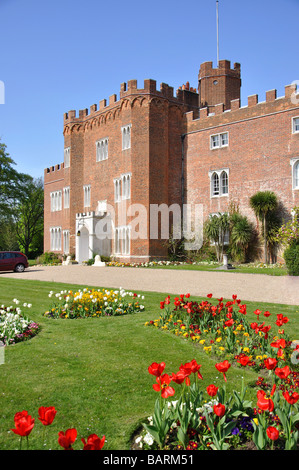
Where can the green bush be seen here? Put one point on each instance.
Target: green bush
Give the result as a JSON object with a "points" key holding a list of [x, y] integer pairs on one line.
{"points": [[291, 256], [48, 258]]}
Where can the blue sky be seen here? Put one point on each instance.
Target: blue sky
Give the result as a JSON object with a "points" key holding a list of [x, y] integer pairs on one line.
{"points": [[60, 55]]}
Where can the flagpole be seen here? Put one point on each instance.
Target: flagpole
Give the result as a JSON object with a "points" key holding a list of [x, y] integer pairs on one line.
{"points": [[217, 17]]}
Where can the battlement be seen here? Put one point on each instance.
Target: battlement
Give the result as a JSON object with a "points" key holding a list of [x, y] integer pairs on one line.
{"points": [[224, 67], [54, 168], [130, 88], [217, 114]]}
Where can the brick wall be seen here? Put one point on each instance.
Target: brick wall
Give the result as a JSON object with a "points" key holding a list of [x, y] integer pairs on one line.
{"points": [[261, 146]]}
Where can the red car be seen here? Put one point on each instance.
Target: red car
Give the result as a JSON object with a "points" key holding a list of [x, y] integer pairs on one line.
{"points": [[13, 261]]}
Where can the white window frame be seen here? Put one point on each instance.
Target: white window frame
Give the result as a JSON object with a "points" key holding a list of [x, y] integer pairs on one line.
{"points": [[56, 200], [126, 136], [55, 238], [126, 185], [122, 240], [66, 242], [219, 139], [219, 174], [66, 197], [102, 149], [117, 189], [295, 173], [67, 160], [87, 192], [295, 125]]}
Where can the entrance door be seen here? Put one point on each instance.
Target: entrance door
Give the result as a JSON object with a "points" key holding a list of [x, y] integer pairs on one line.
{"points": [[83, 245]]}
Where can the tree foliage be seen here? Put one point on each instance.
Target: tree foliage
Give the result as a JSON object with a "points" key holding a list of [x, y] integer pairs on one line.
{"points": [[264, 203], [21, 208]]}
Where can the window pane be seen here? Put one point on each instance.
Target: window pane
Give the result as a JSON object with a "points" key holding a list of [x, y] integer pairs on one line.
{"points": [[224, 183], [215, 184], [214, 141], [296, 125], [296, 175], [224, 139]]}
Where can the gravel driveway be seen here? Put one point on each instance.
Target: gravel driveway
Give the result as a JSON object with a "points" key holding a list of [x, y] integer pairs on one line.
{"points": [[257, 287]]}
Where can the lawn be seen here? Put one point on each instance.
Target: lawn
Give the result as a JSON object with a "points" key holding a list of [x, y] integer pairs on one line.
{"points": [[95, 370]]}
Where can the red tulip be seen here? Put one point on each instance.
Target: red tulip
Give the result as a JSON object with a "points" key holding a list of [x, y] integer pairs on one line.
{"points": [[46, 414], [156, 369], [281, 319], [191, 368], [229, 322], [180, 377], [264, 403], [270, 363], [212, 390], [291, 399], [283, 372], [223, 367], [219, 410], [23, 423], [267, 314], [162, 304], [67, 439], [257, 312], [280, 343], [163, 385], [242, 309], [272, 433], [243, 360], [93, 442], [210, 295]]}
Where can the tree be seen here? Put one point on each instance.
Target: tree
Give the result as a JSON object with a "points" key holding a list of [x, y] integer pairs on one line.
{"points": [[241, 232], [29, 217], [216, 228], [264, 203], [8, 180]]}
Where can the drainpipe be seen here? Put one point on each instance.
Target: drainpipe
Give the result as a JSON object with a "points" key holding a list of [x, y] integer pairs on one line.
{"points": [[182, 181]]}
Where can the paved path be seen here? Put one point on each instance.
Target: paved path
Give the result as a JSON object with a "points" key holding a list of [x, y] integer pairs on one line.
{"points": [[257, 287]]}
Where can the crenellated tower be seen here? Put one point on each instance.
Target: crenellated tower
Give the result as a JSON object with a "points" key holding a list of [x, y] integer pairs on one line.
{"points": [[218, 85]]}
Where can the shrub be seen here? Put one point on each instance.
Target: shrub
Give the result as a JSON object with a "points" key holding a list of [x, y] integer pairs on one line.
{"points": [[291, 256], [48, 258]]}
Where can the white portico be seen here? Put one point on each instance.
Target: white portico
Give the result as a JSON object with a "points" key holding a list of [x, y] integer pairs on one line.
{"points": [[93, 235]]}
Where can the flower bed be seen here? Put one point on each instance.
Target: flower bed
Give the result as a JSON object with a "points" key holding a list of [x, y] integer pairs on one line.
{"points": [[211, 419], [93, 303], [14, 326], [224, 331]]}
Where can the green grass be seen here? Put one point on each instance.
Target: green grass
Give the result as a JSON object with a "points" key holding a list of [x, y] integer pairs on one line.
{"points": [[94, 370], [271, 271]]}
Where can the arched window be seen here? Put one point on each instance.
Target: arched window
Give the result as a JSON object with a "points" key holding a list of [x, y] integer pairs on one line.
{"points": [[296, 175], [126, 137], [224, 183], [215, 184], [126, 186]]}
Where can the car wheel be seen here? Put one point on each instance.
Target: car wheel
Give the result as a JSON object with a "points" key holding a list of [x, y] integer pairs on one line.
{"points": [[19, 268]]}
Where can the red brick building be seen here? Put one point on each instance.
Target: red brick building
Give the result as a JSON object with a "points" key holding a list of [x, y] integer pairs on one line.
{"points": [[149, 150]]}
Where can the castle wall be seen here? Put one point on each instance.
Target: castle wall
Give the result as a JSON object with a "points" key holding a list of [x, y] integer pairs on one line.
{"points": [[155, 118], [170, 160], [258, 157]]}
